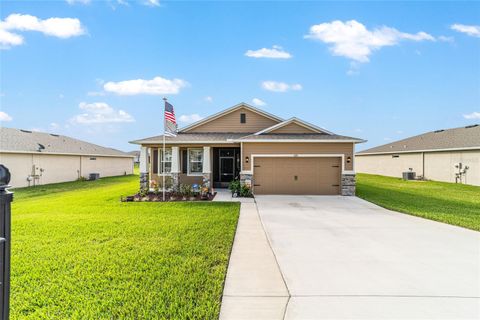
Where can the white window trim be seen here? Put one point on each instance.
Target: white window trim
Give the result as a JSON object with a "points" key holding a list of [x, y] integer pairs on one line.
{"points": [[194, 174], [160, 173]]}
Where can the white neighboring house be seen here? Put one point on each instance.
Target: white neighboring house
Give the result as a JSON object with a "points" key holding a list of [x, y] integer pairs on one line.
{"points": [[36, 158], [450, 155]]}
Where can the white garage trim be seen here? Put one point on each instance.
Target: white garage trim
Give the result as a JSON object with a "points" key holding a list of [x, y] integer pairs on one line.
{"points": [[292, 155]]}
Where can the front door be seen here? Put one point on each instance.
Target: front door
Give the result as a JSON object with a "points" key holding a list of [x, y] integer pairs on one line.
{"points": [[226, 165]]}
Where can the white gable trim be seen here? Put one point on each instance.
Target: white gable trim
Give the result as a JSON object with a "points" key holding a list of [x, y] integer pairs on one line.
{"points": [[296, 121], [230, 110]]}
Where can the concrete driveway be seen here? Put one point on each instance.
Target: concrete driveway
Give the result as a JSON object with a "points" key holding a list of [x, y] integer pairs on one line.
{"points": [[343, 257]]}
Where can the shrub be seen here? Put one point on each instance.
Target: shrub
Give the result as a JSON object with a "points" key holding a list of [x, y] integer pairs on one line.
{"points": [[234, 186], [245, 191]]}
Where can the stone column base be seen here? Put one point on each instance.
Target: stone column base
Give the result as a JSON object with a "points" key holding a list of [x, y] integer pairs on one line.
{"points": [[207, 180], [246, 178], [144, 181], [348, 184], [175, 181]]}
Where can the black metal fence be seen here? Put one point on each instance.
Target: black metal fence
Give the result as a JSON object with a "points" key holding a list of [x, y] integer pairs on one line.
{"points": [[6, 198]]}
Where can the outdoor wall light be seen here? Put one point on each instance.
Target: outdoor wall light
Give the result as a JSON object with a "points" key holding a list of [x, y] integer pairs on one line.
{"points": [[247, 159], [349, 159]]}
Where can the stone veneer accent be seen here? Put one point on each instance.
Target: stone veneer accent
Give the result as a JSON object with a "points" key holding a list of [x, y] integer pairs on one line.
{"points": [[206, 180], [144, 181], [348, 184], [246, 176], [175, 181]]}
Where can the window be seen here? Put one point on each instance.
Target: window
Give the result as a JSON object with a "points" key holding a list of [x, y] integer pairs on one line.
{"points": [[195, 161], [167, 162], [243, 118]]}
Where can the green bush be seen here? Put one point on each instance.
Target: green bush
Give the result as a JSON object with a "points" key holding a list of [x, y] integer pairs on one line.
{"points": [[234, 186], [245, 191]]}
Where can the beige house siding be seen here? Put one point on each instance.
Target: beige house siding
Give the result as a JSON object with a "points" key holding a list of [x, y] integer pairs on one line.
{"points": [[387, 165], [60, 168], [292, 128], [439, 166], [231, 123], [296, 148]]}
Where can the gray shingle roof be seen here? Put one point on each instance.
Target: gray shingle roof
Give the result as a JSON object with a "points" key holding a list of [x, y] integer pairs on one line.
{"points": [[192, 137], [457, 138], [31, 141], [297, 136]]}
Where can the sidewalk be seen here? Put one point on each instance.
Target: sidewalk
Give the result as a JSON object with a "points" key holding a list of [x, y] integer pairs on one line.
{"points": [[254, 287]]}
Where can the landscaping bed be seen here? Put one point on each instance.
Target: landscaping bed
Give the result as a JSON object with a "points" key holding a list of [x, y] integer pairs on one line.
{"points": [[169, 196]]}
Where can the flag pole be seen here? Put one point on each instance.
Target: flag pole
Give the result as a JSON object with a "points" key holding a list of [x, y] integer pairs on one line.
{"points": [[163, 151]]}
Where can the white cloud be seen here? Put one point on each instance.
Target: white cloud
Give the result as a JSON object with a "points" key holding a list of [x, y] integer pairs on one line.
{"points": [[276, 52], [100, 112], [71, 2], [56, 27], [152, 3], [280, 86], [258, 102], [5, 117], [156, 86], [471, 30], [473, 115], [189, 118], [353, 40], [208, 99]]}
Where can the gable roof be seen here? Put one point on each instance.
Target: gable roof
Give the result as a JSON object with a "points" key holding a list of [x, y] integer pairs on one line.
{"points": [[298, 137], [26, 141], [227, 111], [456, 139], [297, 121]]}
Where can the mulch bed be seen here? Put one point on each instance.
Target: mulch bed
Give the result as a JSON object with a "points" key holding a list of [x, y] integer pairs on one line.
{"points": [[151, 197]]}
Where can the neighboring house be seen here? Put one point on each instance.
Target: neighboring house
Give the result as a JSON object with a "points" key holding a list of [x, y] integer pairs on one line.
{"points": [[136, 155], [451, 155], [273, 155], [35, 158]]}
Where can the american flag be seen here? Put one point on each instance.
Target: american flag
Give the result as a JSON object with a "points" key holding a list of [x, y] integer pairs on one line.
{"points": [[170, 122]]}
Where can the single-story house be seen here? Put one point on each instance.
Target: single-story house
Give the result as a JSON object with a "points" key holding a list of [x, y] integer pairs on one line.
{"points": [[36, 158], [450, 155], [264, 151]]}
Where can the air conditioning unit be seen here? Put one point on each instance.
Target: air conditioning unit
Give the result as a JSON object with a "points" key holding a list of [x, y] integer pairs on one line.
{"points": [[94, 176], [409, 175]]}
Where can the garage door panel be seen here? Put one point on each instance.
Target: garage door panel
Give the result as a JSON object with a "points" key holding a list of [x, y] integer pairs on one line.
{"points": [[299, 175]]}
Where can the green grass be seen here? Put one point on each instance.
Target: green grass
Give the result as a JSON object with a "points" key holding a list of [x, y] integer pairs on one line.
{"points": [[79, 253], [451, 203]]}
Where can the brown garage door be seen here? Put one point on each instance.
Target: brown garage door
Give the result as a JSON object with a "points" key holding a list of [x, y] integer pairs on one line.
{"points": [[297, 175]]}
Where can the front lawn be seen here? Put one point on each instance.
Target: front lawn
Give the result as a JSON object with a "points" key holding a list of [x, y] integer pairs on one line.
{"points": [[451, 203], [79, 253]]}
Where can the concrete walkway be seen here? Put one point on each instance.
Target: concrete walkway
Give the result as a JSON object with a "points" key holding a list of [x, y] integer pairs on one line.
{"points": [[254, 287]]}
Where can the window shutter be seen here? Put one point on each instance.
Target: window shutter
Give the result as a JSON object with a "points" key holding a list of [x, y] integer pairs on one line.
{"points": [[184, 161], [155, 161]]}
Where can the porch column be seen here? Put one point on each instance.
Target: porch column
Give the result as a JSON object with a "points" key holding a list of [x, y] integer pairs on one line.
{"points": [[144, 168], [175, 167], [207, 170]]}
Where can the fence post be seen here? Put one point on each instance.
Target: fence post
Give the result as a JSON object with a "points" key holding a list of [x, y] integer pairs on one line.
{"points": [[6, 197]]}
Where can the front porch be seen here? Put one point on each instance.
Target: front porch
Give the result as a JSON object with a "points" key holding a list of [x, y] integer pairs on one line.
{"points": [[213, 165]]}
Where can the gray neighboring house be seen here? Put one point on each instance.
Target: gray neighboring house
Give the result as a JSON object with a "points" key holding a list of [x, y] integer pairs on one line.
{"points": [[36, 158], [450, 155]]}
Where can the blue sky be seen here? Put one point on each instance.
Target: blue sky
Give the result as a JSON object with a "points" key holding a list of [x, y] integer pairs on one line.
{"points": [[374, 70]]}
